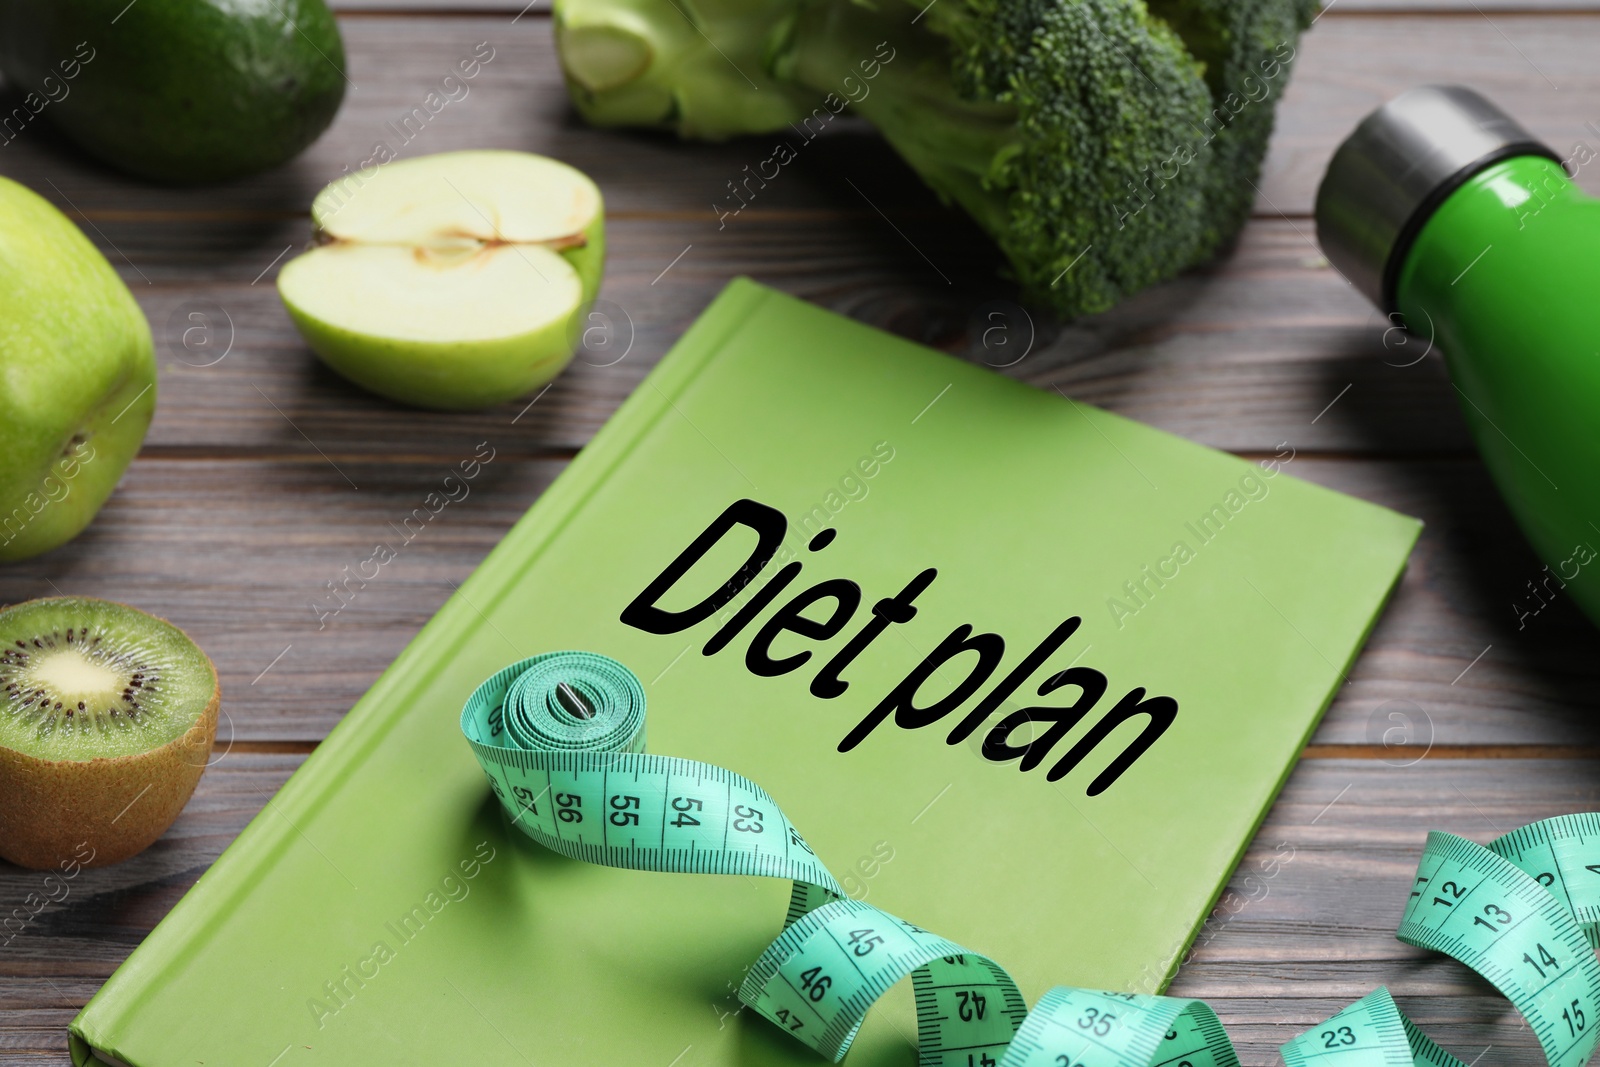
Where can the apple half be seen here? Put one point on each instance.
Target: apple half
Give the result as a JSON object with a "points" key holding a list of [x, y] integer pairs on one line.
{"points": [[449, 281]]}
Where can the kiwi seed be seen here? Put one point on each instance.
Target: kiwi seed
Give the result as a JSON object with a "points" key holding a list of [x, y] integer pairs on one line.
{"points": [[107, 716]]}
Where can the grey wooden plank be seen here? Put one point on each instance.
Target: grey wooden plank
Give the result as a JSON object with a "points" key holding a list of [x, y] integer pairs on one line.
{"points": [[515, 99], [1464, 653], [107, 911], [1305, 926], [1242, 356], [1291, 942], [239, 553], [1537, 65], [52, 967]]}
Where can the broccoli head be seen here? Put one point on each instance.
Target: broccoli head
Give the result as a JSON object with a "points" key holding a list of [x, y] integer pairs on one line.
{"points": [[1105, 144]]}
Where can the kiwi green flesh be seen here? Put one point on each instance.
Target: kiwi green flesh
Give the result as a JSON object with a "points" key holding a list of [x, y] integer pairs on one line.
{"points": [[82, 679]]}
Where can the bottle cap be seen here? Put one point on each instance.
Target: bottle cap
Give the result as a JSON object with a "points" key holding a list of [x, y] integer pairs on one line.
{"points": [[1387, 178]]}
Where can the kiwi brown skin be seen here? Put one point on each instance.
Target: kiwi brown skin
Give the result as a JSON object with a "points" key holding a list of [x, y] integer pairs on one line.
{"points": [[51, 811]]}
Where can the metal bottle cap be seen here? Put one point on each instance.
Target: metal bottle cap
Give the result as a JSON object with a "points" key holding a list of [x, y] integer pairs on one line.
{"points": [[1399, 165]]}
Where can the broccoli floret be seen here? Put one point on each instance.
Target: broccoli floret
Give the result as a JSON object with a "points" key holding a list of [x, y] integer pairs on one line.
{"points": [[1246, 48], [1104, 144], [1096, 95]]}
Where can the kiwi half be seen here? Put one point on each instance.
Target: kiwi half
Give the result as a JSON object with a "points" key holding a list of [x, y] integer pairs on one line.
{"points": [[107, 716]]}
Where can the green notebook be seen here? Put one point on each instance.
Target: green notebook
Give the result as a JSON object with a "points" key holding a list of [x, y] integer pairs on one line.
{"points": [[380, 911]]}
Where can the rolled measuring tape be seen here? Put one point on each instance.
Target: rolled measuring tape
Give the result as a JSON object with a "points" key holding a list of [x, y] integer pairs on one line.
{"points": [[561, 738]]}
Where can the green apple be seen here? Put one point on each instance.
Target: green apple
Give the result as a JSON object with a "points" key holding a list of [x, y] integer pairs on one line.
{"points": [[449, 281], [77, 376]]}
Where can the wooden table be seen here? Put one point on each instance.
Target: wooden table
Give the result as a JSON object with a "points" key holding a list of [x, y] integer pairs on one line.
{"points": [[265, 475]]}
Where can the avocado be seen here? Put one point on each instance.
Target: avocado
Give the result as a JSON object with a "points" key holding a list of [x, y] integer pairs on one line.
{"points": [[174, 90]]}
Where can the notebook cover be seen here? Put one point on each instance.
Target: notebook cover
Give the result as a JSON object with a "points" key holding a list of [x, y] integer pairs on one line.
{"points": [[380, 911]]}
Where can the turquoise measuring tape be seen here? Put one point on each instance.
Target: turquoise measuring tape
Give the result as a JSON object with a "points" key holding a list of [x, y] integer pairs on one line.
{"points": [[561, 738]]}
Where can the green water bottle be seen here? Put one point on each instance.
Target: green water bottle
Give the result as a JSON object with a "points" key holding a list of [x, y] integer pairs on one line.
{"points": [[1461, 225]]}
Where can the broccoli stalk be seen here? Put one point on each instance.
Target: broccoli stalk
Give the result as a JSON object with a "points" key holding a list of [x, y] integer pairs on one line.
{"points": [[700, 71], [897, 76], [1105, 145]]}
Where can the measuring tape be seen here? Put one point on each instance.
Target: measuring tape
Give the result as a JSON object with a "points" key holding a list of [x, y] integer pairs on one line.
{"points": [[1372, 1032], [1505, 912], [561, 738]]}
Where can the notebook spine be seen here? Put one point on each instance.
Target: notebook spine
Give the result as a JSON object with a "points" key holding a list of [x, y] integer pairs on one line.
{"points": [[186, 929]]}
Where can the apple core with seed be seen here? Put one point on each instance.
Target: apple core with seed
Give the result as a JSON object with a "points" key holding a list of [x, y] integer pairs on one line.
{"points": [[449, 281]]}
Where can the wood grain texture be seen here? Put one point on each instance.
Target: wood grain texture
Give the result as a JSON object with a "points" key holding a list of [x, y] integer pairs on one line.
{"points": [[1288, 943], [239, 553], [265, 475], [1285, 948], [1242, 355], [1534, 64], [1245, 355]]}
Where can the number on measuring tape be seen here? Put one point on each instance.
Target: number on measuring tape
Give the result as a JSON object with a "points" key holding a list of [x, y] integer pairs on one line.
{"points": [[571, 773], [1508, 924], [1372, 1032]]}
